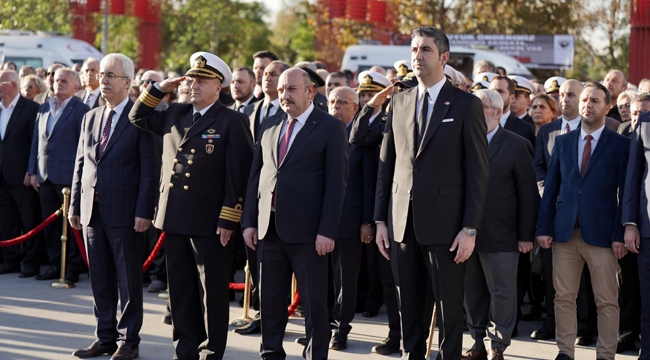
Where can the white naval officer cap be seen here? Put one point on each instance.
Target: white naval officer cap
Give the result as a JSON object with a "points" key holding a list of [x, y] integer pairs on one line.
{"points": [[451, 75], [523, 85], [372, 81], [204, 64], [403, 67], [485, 76], [553, 84]]}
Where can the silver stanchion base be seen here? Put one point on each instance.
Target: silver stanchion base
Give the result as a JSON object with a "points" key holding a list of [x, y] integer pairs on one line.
{"points": [[163, 295], [241, 321], [62, 284]]}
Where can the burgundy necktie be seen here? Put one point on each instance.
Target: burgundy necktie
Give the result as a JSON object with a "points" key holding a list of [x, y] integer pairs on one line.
{"points": [[566, 129], [106, 132], [283, 147], [586, 154]]}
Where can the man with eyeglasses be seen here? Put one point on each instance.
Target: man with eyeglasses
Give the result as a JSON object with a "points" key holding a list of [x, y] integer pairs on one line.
{"points": [[114, 191], [207, 154], [49, 81], [150, 77], [91, 94], [19, 206], [507, 229]]}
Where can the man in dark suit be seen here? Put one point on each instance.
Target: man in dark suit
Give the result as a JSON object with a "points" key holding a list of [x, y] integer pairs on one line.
{"points": [[356, 226], [260, 60], [49, 81], [19, 206], [293, 206], [319, 99], [637, 221], [260, 110], [90, 95], [507, 229], [506, 89], [113, 198], [616, 83], [580, 217], [206, 159], [51, 165], [241, 88], [431, 188]]}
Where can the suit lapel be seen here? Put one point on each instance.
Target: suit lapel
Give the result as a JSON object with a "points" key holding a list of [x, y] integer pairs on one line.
{"points": [[602, 142], [255, 122], [309, 125], [573, 145], [409, 106], [495, 144], [64, 116], [119, 127], [274, 136], [14, 115], [440, 109], [204, 121]]}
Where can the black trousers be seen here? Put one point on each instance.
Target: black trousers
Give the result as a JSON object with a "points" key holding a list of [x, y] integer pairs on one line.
{"points": [[198, 270], [416, 267], [115, 265], [158, 268], [20, 212], [51, 199], [345, 261], [385, 275], [629, 298], [278, 260]]}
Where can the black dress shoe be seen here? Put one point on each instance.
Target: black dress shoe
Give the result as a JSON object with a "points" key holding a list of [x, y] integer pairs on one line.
{"points": [[302, 341], [585, 340], [95, 349], [6, 268], [387, 347], [125, 352], [546, 332], [51, 273], [339, 341], [370, 313], [625, 345], [252, 328], [72, 276], [27, 274], [562, 356]]}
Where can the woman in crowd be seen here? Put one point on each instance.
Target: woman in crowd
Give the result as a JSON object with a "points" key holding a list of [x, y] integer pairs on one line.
{"points": [[543, 110], [32, 85]]}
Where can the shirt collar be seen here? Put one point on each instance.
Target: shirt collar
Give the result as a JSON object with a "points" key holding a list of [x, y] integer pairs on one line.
{"points": [[596, 134], [302, 118], [95, 92], [276, 103], [12, 104], [52, 102], [490, 135], [573, 124], [504, 118], [205, 110], [119, 108], [433, 91]]}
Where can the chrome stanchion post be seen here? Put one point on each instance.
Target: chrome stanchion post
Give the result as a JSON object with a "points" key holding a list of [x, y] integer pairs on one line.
{"points": [[245, 319], [62, 283]]}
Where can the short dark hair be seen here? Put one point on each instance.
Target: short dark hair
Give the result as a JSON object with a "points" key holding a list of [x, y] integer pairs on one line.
{"points": [[439, 38], [248, 70], [599, 86], [265, 54], [340, 74], [319, 64], [284, 66], [349, 74], [511, 84]]}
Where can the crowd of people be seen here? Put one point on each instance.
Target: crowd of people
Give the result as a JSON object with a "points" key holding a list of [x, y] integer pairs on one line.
{"points": [[489, 199]]}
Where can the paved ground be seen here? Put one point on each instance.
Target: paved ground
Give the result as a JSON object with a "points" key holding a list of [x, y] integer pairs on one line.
{"points": [[38, 322]]}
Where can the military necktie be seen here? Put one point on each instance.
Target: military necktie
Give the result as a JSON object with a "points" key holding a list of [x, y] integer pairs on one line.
{"points": [[196, 117]]}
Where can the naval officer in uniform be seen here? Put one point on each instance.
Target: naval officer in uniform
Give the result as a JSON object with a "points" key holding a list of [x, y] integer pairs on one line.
{"points": [[207, 154]]}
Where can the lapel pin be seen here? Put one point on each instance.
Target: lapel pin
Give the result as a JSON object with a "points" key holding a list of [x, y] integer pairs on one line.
{"points": [[446, 102]]}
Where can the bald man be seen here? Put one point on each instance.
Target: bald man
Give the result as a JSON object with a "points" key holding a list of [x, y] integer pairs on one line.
{"points": [[616, 82]]}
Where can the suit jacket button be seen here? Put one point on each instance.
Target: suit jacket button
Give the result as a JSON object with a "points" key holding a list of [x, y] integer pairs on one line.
{"points": [[193, 151], [180, 149], [173, 172], [278, 173], [187, 174], [580, 192], [171, 185], [186, 187], [175, 161], [415, 169], [190, 162]]}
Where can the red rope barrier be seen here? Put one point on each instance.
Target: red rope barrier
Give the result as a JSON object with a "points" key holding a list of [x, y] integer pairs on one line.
{"points": [[80, 244], [32, 232], [294, 305], [236, 286], [154, 252]]}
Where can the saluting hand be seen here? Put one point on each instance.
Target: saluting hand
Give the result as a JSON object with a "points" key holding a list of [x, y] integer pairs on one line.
{"points": [[324, 245], [380, 98], [168, 85], [250, 237], [382, 240], [225, 235]]}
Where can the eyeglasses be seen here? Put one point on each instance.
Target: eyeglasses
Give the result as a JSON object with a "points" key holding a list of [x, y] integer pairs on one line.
{"points": [[109, 75], [339, 102], [6, 83], [148, 81]]}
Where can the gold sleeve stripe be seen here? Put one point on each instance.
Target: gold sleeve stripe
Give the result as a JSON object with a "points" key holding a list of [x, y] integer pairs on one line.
{"points": [[149, 99], [229, 218], [228, 213]]}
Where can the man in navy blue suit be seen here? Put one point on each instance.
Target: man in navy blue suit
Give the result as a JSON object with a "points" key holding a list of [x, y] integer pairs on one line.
{"points": [[580, 216], [114, 193], [51, 164], [635, 218]]}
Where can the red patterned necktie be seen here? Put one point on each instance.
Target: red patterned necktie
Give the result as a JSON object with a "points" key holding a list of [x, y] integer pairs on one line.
{"points": [[282, 150], [106, 132], [566, 129], [586, 154]]}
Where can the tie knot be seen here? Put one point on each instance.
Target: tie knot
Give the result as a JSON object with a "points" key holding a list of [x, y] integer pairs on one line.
{"points": [[196, 116], [111, 113], [589, 137], [292, 121]]}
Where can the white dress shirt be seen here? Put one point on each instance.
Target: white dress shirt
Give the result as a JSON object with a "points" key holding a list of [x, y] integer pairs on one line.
{"points": [[5, 114], [302, 119], [573, 124], [581, 144], [490, 135], [504, 119], [118, 111], [434, 91], [91, 97], [272, 111]]}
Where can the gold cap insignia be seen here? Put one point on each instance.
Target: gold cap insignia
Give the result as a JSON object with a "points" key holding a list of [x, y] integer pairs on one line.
{"points": [[211, 131], [200, 62], [402, 70], [367, 80], [554, 84], [485, 78]]}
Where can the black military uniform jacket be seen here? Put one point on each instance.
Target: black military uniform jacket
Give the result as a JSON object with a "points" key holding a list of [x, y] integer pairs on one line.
{"points": [[205, 165]]}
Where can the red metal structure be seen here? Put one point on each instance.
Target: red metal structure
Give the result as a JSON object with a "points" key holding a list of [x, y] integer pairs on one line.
{"points": [[639, 62], [149, 26]]}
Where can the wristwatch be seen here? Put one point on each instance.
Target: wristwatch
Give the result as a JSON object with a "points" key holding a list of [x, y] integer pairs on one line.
{"points": [[470, 232]]}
